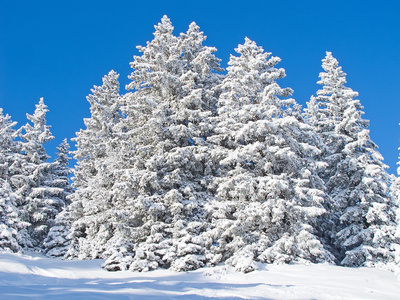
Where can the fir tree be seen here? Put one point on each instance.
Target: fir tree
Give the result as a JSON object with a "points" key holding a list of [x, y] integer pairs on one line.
{"points": [[394, 263], [269, 195], [39, 200], [9, 221], [61, 170], [57, 241], [93, 210], [168, 170], [361, 212]]}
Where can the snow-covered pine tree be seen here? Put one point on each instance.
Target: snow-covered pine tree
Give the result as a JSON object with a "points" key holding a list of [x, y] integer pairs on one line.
{"points": [[169, 166], [9, 147], [39, 201], [269, 196], [62, 170], [9, 221], [94, 209], [394, 264], [360, 210], [57, 242]]}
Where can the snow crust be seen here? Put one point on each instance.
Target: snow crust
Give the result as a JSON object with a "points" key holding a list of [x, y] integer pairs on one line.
{"points": [[34, 276]]}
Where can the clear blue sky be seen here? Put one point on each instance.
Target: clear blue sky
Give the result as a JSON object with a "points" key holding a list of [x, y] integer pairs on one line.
{"points": [[60, 49]]}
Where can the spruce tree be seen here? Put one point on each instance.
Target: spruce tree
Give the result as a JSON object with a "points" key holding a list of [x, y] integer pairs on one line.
{"points": [[10, 223], [394, 262], [39, 201], [57, 242], [61, 170], [361, 212], [269, 195], [168, 170], [93, 210]]}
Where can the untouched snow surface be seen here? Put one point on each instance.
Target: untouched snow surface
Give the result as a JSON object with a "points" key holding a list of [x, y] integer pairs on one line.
{"points": [[35, 277]]}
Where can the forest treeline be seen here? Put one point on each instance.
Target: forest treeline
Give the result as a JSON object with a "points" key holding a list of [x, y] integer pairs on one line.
{"points": [[193, 167]]}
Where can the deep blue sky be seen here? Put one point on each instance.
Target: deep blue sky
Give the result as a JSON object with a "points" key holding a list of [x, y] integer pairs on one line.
{"points": [[60, 49]]}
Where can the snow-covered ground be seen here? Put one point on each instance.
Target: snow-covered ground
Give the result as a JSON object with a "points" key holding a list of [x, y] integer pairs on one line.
{"points": [[36, 277]]}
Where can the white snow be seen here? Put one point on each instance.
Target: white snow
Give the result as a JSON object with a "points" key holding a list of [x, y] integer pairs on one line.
{"points": [[34, 276]]}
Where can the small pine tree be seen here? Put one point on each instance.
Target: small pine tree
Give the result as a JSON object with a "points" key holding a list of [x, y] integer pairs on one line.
{"points": [[57, 242], [61, 170], [9, 221]]}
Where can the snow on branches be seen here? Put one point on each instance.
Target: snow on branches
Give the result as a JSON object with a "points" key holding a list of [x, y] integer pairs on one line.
{"points": [[192, 168]]}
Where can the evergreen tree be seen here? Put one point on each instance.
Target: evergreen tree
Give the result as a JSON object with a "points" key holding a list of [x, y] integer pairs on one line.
{"points": [[93, 209], [269, 195], [394, 263], [57, 241], [9, 221], [39, 200], [361, 212], [168, 169], [9, 147], [61, 171]]}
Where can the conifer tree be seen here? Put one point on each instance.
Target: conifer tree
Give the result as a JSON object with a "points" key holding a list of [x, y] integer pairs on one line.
{"points": [[169, 168], [9, 147], [38, 199], [93, 210], [57, 241], [9, 221], [269, 195], [61, 170], [394, 263], [361, 212]]}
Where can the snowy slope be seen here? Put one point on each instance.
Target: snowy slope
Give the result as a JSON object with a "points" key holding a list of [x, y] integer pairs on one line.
{"points": [[36, 277]]}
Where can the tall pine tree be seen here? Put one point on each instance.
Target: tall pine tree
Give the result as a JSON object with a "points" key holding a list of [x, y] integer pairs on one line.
{"points": [[169, 168], [95, 222], [361, 212], [10, 223], [269, 195], [39, 200]]}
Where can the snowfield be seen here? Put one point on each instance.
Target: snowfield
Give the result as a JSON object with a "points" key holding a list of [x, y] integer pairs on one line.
{"points": [[34, 276]]}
